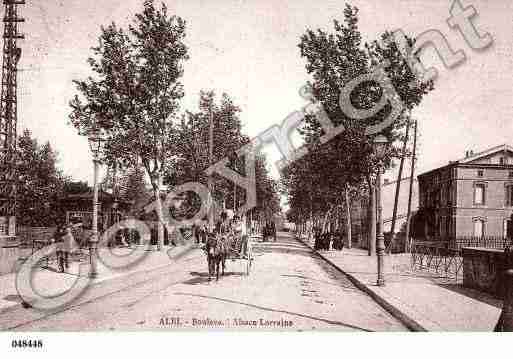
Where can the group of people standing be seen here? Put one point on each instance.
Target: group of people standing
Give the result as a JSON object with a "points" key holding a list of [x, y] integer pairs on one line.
{"points": [[328, 240], [225, 226]]}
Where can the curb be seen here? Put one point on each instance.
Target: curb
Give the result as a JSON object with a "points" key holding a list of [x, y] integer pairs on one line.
{"points": [[396, 312]]}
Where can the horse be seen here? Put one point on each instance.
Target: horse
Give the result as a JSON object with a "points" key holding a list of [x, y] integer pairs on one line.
{"points": [[218, 249]]}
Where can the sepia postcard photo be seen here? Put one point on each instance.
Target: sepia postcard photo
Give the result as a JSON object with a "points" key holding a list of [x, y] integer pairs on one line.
{"points": [[255, 166]]}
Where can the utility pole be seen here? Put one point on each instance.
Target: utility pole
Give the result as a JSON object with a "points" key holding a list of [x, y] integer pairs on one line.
{"points": [[372, 230], [235, 186], [9, 117], [412, 174], [348, 219], [211, 162], [398, 184]]}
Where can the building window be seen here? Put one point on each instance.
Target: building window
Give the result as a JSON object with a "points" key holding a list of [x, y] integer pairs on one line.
{"points": [[480, 173], [479, 225], [508, 228], [501, 160], [509, 195], [452, 193], [479, 193], [510, 174]]}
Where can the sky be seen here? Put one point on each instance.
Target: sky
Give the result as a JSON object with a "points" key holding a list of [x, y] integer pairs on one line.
{"points": [[248, 49]]}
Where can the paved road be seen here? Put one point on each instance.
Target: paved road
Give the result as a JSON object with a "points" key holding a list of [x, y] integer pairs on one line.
{"points": [[289, 289]]}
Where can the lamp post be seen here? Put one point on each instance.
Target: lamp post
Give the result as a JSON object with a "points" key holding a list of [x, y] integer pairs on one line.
{"points": [[95, 144], [380, 145]]}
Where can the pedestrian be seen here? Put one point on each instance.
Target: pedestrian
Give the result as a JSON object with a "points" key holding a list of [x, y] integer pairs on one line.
{"points": [[57, 239], [241, 232], [204, 233], [65, 246], [338, 241], [317, 239]]}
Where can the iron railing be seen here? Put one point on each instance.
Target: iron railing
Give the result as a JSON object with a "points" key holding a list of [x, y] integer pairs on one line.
{"points": [[444, 257], [438, 257], [485, 242]]}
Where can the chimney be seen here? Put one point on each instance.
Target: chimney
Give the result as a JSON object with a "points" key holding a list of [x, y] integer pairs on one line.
{"points": [[469, 153]]}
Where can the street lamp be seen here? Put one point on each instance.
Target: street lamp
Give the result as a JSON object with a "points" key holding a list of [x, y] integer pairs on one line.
{"points": [[380, 146], [95, 144]]}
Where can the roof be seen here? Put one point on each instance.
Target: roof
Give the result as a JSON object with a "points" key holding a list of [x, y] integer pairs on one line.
{"points": [[88, 195], [474, 157], [485, 153]]}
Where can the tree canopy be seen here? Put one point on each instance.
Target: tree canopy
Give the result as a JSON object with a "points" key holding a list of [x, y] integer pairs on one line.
{"points": [[333, 60], [41, 184]]}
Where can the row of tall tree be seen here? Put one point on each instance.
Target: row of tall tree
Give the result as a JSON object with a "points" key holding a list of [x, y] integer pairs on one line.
{"points": [[133, 96], [343, 170]]}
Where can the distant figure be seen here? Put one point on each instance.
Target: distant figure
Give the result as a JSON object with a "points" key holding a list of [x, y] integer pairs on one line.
{"points": [[317, 233], [273, 230], [338, 241], [65, 246], [240, 231]]}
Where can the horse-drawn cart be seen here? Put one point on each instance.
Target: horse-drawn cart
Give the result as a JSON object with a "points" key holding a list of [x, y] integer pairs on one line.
{"points": [[238, 253], [220, 248]]}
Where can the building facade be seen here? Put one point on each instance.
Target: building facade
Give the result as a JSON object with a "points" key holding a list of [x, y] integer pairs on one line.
{"points": [[469, 197]]}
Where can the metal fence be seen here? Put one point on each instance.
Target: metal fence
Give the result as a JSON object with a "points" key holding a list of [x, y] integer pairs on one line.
{"points": [[444, 257], [485, 242]]}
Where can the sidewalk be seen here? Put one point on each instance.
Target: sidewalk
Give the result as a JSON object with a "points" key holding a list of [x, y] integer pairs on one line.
{"points": [[423, 300], [48, 281]]}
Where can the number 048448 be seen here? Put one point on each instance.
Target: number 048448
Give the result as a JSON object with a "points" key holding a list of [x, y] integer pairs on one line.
{"points": [[26, 343]]}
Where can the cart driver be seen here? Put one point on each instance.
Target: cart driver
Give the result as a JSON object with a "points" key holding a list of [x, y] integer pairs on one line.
{"points": [[240, 230]]}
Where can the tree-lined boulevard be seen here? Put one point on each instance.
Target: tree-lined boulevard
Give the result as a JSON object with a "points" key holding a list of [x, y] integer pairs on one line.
{"points": [[305, 249]]}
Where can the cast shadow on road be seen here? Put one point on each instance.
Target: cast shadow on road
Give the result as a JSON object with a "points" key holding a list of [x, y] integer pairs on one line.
{"points": [[281, 249], [332, 322], [335, 282], [202, 277]]}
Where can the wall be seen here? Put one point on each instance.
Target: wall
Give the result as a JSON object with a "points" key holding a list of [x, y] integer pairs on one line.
{"points": [[483, 270], [494, 211], [10, 254]]}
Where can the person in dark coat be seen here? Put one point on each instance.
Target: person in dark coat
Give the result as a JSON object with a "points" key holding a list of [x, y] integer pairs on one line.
{"points": [[326, 241], [58, 238], [317, 239], [338, 241]]}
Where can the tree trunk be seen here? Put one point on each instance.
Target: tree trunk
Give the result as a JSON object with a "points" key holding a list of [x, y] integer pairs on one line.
{"points": [[372, 218], [348, 219], [325, 221], [160, 213], [312, 224]]}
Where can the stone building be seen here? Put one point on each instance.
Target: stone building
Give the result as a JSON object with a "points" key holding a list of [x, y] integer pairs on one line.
{"points": [[469, 197]]}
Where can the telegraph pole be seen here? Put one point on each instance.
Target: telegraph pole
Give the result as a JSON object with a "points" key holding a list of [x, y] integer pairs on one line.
{"points": [[9, 117], [398, 183], [211, 161], [412, 173]]}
